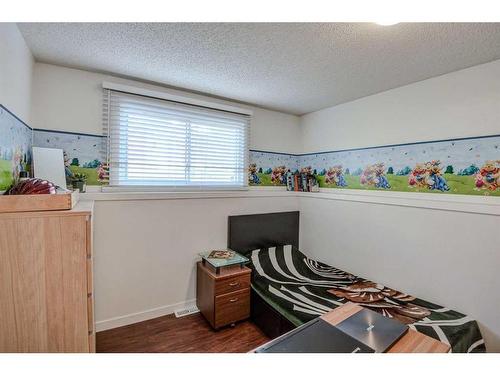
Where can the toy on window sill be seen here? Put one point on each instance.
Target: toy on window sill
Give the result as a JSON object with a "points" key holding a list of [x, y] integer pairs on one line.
{"points": [[79, 181]]}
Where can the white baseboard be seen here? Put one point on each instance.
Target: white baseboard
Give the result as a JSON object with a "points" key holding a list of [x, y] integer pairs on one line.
{"points": [[124, 320]]}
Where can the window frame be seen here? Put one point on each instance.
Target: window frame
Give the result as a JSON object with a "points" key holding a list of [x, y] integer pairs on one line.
{"points": [[184, 101]]}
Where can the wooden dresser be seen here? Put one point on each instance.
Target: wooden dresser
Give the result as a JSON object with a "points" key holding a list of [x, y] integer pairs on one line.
{"points": [[223, 298], [46, 290]]}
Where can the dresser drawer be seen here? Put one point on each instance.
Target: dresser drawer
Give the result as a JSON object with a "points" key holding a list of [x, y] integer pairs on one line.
{"points": [[232, 284], [232, 307]]}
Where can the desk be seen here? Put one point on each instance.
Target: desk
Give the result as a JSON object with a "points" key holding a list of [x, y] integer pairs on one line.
{"points": [[411, 342]]}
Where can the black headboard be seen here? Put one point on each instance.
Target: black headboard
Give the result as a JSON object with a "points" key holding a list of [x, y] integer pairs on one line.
{"points": [[250, 232]]}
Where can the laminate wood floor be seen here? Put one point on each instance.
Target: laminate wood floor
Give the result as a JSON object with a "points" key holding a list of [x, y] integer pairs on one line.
{"points": [[190, 334]]}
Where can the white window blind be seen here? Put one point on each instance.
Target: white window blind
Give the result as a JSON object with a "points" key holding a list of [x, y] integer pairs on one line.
{"points": [[155, 142]]}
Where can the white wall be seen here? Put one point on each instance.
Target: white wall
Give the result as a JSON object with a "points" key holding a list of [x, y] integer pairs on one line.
{"points": [[460, 104], [16, 68], [145, 251], [450, 258], [71, 100]]}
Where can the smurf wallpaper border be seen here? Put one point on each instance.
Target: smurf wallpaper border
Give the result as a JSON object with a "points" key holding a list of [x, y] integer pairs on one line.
{"points": [[468, 166]]}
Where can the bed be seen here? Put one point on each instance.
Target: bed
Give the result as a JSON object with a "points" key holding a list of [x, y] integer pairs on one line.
{"points": [[290, 289]]}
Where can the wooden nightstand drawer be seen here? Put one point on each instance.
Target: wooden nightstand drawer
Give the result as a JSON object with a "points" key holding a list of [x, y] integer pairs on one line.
{"points": [[232, 307], [232, 284], [223, 298]]}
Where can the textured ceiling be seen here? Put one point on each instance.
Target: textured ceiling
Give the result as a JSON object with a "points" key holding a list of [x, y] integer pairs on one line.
{"points": [[294, 68]]}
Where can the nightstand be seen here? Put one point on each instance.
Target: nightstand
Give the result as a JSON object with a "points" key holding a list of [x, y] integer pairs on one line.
{"points": [[223, 298]]}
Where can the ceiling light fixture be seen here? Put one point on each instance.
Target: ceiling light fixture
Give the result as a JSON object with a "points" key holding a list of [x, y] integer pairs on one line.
{"points": [[386, 23]]}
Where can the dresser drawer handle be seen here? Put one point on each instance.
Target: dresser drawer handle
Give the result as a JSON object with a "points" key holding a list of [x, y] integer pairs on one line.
{"points": [[234, 283], [233, 299]]}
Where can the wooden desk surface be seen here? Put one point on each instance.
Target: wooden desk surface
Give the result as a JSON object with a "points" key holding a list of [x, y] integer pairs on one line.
{"points": [[411, 342]]}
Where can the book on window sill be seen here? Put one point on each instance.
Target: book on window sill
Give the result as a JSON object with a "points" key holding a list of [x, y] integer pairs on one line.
{"points": [[302, 182]]}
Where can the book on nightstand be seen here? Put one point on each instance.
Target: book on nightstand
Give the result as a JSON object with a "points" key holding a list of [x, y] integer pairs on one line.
{"points": [[222, 259]]}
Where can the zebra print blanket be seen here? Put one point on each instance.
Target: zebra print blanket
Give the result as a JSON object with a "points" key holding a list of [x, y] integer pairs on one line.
{"points": [[301, 289]]}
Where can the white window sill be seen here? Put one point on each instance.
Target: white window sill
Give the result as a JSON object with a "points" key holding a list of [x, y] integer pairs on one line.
{"points": [[94, 193], [447, 202]]}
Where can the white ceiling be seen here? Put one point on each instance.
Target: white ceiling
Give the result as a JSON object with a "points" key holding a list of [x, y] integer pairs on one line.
{"points": [[291, 67]]}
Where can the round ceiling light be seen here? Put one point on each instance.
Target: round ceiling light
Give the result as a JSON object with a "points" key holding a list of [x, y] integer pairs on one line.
{"points": [[387, 23]]}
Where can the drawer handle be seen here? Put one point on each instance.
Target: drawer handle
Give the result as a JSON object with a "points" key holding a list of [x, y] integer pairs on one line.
{"points": [[233, 299], [234, 283]]}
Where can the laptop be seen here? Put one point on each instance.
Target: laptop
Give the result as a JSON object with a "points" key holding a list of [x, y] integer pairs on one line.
{"points": [[373, 329], [317, 336]]}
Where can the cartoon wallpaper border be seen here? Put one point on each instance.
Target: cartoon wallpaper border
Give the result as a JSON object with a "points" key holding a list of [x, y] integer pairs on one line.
{"points": [[15, 147], [457, 166], [83, 153]]}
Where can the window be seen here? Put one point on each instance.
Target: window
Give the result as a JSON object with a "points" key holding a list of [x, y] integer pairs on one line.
{"points": [[155, 142]]}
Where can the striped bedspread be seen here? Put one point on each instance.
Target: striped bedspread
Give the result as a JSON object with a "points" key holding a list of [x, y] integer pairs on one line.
{"points": [[301, 289]]}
